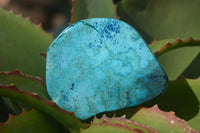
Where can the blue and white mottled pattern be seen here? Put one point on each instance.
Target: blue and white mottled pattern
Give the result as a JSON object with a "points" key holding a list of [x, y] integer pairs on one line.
{"points": [[101, 64]]}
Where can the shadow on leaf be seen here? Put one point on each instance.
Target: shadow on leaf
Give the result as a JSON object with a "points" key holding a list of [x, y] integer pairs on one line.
{"points": [[193, 70], [179, 98]]}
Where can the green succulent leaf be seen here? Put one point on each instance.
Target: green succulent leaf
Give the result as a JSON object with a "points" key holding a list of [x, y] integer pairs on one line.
{"points": [[158, 44], [162, 19], [67, 119], [28, 122], [175, 57], [158, 48], [176, 61], [117, 125], [21, 43], [24, 83], [163, 122], [83, 9], [182, 97]]}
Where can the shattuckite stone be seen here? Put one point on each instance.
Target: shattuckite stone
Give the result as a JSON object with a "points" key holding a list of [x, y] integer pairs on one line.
{"points": [[101, 64]]}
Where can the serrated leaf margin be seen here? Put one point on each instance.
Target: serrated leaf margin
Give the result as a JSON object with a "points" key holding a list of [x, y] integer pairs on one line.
{"points": [[48, 107]]}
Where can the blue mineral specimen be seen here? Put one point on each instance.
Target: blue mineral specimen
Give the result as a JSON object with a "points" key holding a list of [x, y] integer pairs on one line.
{"points": [[102, 64]]}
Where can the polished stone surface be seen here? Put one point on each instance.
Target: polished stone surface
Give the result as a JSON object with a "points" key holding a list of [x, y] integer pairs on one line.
{"points": [[101, 64]]}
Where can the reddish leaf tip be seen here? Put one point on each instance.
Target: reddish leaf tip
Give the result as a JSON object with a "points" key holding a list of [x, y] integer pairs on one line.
{"points": [[43, 54], [114, 115], [177, 42], [190, 38], [116, 6], [52, 34], [95, 117], [39, 25], [19, 73], [168, 43], [72, 12]]}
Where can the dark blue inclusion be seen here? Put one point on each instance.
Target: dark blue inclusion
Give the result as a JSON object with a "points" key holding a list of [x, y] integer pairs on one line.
{"points": [[133, 37], [72, 88], [141, 45], [90, 45], [110, 27], [64, 98], [113, 27], [98, 46]]}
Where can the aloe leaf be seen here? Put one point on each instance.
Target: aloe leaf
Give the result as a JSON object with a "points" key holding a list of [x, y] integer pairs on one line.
{"points": [[175, 57], [163, 122], [29, 122], [67, 119], [117, 125], [158, 44], [158, 48], [21, 43], [83, 9], [182, 97], [25, 83], [162, 19]]}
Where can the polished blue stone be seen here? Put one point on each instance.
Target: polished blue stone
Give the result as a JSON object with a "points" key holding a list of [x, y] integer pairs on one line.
{"points": [[101, 64]]}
